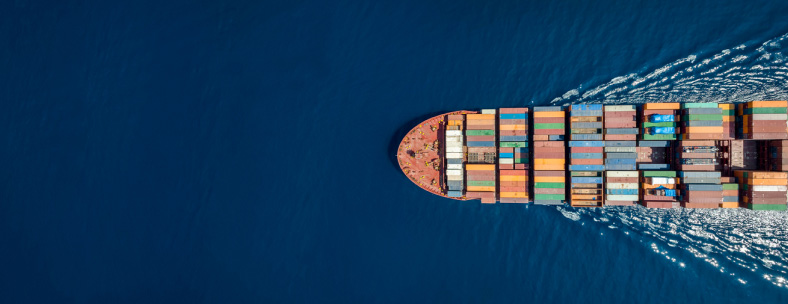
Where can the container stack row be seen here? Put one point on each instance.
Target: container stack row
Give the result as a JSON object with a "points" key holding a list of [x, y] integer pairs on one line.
{"points": [[586, 168], [480, 182], [701, 189], [730, 192], [480, 137], [586, 122], [549, 165], [621, 155], [728, 120], [764, 120], [621, 188], [454, 155], [654, 155], [513, 155], [778, 155], [621, 122], [697, 155], [659, 189], [659, 121], [701, 121], [549, 123], [762, 190]]}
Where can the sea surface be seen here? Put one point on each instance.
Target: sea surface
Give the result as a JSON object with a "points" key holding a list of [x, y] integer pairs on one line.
{"points": [[243, 151]]}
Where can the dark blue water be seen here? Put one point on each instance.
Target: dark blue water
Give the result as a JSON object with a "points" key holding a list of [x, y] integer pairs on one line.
{"points": [[242, 151]]}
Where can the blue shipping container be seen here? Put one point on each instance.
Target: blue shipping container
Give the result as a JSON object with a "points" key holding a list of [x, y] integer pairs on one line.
{"points": [[661, 118], [586, 180], [480, 144], [586, 167], [454, 194], [586, 155], [514, 116], [513, 138], [575, 143], [506, 155], [663, 130], [622, 191]]}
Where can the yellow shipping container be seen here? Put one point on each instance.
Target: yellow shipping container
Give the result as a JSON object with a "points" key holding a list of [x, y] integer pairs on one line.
{"points": [[513, 178], [767, 181], [480, 116], [549, 161], [481, 188], [768, 104], [726, 106], [512, 127], [549, 179], [480, 167], [704, 129], [662, 106], [728, 118], [729, 205], [514, 194], [549, 114], [539, 167]]}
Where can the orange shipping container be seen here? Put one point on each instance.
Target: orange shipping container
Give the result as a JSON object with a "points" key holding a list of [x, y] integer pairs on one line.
{"points": [[703, 129], [662, 106], [481, 188], [768, 104], [480, 167], [513, 178], [548, 167], [512, 127], [549, 161], [767, 182], [480, 116], [549, 114], [514, 194], [549, 179]]}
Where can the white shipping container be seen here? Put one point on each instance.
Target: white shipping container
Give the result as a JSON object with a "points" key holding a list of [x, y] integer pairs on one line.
{"points": [[453, 172], [454, 177], [622, 173], [621, 149], [455, 149], [454, 166], [619, 108], [454, 139], [488, 111], [454, 155], [663, 181], [617, 197], [770, 188], [506, 161], [622, 185], [769, 116], [453, 133]]}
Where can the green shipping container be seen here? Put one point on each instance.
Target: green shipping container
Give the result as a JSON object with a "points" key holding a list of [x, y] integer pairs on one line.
{"points": [[658, 173], [513, 144], [730, 186], [659, 136], [482, 183], [695, 117], [549, 126], [549, 197], [699, 105], [521, 161], [728, 112], [479, 132], [773, 207], [658, 124], [765, 111], [550, 185]]}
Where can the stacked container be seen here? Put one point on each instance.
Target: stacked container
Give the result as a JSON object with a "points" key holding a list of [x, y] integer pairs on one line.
{"points": [[480, 182], [701, 121], [454, 156], [697, 155], [621, 188], [730, 193], [761, 190], [653, 154], [659, 189], [660, 121], [549, 165], [778, 155], [621, 123], [764, 120], [513, 155], [618, 160], [701, 189], [744, 154], [549, 123], [586, 122], [586, 170], [480, 137], [728, 120]]}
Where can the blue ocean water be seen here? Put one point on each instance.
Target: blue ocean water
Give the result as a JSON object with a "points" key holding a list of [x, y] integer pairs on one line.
{"points": [[243, 151]]}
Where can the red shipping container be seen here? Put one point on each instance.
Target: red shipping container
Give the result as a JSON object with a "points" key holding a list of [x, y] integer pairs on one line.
{"points": [[617, 114], [768, 136], [549, 144], [506, 150], [549, 191], [549, 150], [587, 149], [512, 189], [480, 138], [620, 125], [470, 194], [521, 166], [658, 198], [586, 161], [709, 205], [512, 132], [549, 120], [620, 137], [549, 132], [514, 172], [481, 127], [512, 110], [695, 143], [622, 179], [512, 184], [767, 201], [658, 204]]}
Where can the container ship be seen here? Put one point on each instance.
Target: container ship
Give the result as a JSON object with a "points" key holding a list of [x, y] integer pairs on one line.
{"points": [[658, 155]]}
